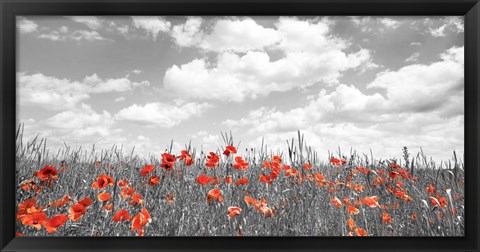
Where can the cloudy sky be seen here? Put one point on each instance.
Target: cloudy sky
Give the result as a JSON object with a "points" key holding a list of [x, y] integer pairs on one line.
{"points": [[377, 83]]}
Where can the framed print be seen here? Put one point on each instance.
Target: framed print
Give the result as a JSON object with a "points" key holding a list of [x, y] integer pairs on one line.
{"points": [[187, 125]]}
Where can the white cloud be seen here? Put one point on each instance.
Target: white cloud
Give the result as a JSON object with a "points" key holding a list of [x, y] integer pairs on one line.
{"points": [[312, 56], [231, 34], [206, 138], [79, 126], [152, 25], [137, 71], [413, 57], [82, 121], [98, 85], [307, 36], [58, 94], [92, 22], [440, 27], [26, 26], [375, 24], [345, 103], [455, 54], [161, 114], [189, 33], [77, 35], [415, 44], [438, 32], [86, 35], [120, 99], [53, 36], [423, 107], [455, 23], [63, 29], [239, 35], [423, 87], [390, 23], [123, 29]]}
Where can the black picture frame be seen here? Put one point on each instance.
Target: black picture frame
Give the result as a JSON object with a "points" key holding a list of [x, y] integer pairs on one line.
{"points": [[470, 9]]}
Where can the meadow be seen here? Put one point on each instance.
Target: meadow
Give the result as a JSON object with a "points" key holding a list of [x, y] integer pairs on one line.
{"points": [[233, 191]]}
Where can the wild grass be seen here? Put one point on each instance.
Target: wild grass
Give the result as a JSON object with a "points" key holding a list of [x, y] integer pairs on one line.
{"points": [[302, 207]]}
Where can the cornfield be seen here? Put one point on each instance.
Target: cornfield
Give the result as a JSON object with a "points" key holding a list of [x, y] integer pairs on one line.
{"points": [[233, 191]]}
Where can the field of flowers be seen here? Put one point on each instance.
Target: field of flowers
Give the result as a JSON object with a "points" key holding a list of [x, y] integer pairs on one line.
{"points": [[235, 192]]}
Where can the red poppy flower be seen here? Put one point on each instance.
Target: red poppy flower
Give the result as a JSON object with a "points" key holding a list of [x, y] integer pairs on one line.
{"points": [[335, 201], [361, 232], [291, 172], [267, 211], [371, 201], [121, 216], [337, 161], [168, 158], [140, 221], [34, 220], [443, 201], [250, 201], [127, 192], [393, 174], [358, 188], [108, 207], [56, 221], [240, 164], [212, 160], [266, 164], [229, 149], [103, 196], [386, 218], [103, 181], [242, 181], [430, 189], [147, 169], [363, 170], [228, 179], [85, 201], [351, 224], [122, 183], [168, 161], [277, 159], [265, 178], [203, 179], [404, 173], [307, 166], [153, 180], [187, 157], [28, 185], [234, 211], [394, 166], [76, 212], [136, 199], [352, 210], [28, 207], [170, 198], [275, 171], [320, 178], [214, 194], [47, 172], [167, 166], [439, 201], [215, 180]]}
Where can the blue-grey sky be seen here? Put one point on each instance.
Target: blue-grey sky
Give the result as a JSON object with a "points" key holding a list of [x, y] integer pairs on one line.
{"points": [[377, 83]]}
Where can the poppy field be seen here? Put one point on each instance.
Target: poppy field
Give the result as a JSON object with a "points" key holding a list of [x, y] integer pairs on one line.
{"points": [[235, 191]]}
